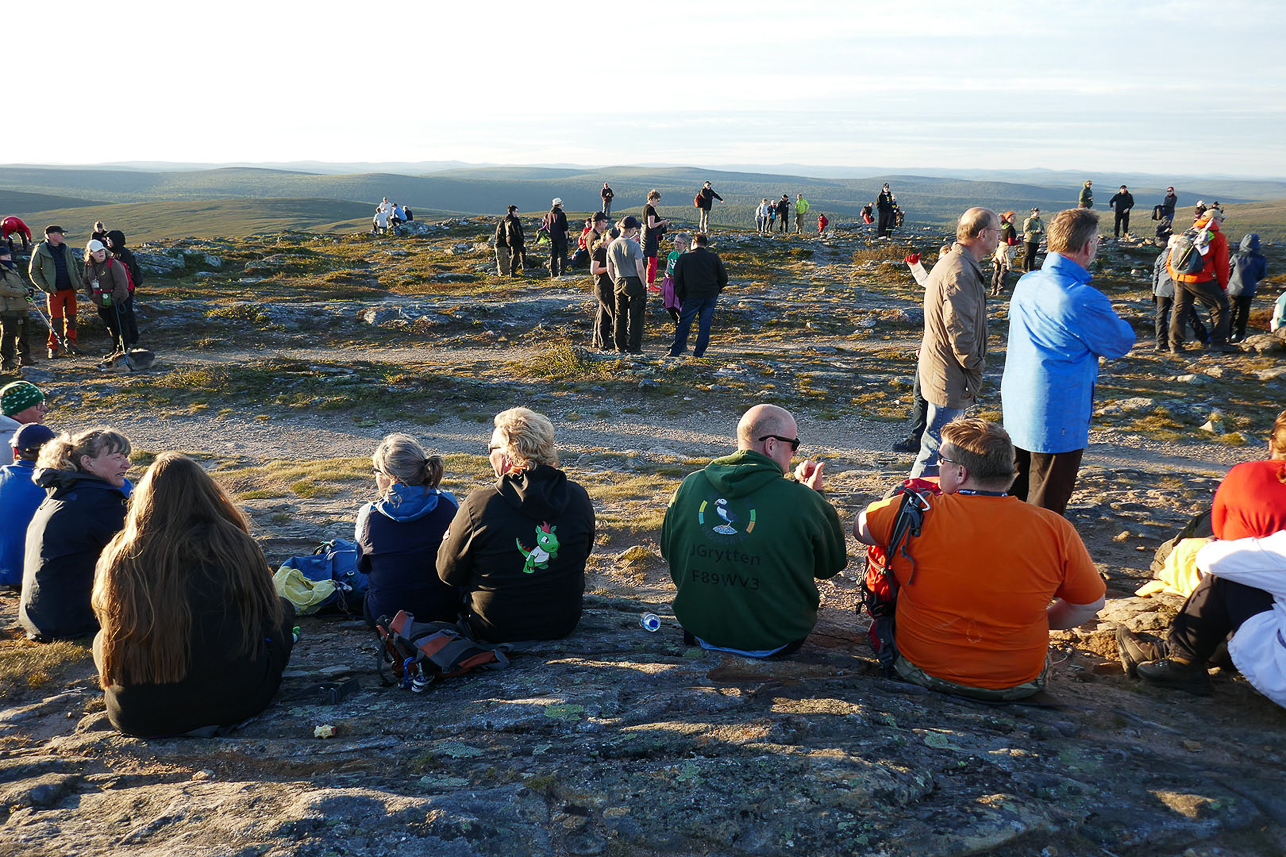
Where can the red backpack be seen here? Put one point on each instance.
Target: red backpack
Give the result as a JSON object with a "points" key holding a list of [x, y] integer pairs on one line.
{"points": [[879, 585]]}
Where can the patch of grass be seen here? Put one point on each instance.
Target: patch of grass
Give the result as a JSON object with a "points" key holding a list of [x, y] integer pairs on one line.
{"points": [[563, 362], [25, 665], [882, 253], [321, 477]]}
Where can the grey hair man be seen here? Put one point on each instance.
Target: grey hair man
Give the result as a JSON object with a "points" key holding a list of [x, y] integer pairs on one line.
{"points": [[953, 352]]}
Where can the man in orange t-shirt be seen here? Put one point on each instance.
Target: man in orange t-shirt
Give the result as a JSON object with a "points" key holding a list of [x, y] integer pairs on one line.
{"points": [[974, 610]]}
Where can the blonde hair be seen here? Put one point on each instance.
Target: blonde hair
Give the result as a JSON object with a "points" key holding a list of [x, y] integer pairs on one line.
{"points": [[64, 451], [985, 450], [401, 457], [653, 194], [526, 438], [181, 524]]}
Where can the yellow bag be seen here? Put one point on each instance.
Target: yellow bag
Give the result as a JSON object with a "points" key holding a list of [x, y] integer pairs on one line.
{"points": [[307, 595], [1179, 574]]}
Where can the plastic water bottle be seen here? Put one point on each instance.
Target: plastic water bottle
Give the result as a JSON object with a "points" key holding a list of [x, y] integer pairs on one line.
{"points": [[650, 622]]}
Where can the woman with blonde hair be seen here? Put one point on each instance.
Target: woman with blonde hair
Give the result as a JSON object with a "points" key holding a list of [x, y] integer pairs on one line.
{"points": [[84, 479], [398, 535], [194, 637], [518, 547]]}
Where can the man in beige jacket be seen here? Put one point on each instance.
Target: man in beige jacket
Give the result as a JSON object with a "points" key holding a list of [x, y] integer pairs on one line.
{"points": [[953, 352]]}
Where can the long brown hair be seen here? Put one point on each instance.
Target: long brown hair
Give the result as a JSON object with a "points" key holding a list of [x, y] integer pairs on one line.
{"points": [[180, 523]]}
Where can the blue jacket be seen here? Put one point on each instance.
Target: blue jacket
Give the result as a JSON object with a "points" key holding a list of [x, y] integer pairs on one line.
{"points": [[397, 547], [1059, 325], [1248, 267], [20, 496]]}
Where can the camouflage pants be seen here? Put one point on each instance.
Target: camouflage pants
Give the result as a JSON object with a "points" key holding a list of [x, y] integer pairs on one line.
{"points": [[910, 672]]}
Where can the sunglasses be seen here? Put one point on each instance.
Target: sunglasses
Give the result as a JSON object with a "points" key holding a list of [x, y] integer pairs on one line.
{"points": [[793, 441]]}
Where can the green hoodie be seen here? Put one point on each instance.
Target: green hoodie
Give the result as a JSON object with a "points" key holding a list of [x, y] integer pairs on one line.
{"points": [[744, 544]]}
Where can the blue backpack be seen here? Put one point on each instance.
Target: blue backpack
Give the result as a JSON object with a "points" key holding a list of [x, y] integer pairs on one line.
{"points": [[335, 560]]}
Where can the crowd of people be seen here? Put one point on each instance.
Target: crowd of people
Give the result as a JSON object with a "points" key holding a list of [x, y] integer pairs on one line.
{"points": [[151, 569], [106, 273]]}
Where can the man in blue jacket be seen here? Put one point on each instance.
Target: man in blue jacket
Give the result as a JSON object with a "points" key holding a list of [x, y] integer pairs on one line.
{"points": [[1059, 326]]}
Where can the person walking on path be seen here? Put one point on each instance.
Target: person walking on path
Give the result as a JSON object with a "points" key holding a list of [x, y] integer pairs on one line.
{"points": [[699, 277], [1059, 327], [556, 226], [1121, 203], [884, 204], [56, 271], [953, 352], [705, 201], [1087, 195], [607, 194], [801, 209]]}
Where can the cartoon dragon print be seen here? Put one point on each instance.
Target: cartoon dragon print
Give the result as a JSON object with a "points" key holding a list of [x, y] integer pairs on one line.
{"points": [[546, 549]]}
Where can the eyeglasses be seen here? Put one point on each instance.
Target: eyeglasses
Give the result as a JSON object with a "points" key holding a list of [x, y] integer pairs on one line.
{"points": [[492, 449], [950, 460], [793, 441], [378, 472]]}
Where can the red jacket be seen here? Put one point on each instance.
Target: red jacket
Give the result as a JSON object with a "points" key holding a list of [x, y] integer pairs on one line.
{"points": [[1216, 265], [12, 224]]}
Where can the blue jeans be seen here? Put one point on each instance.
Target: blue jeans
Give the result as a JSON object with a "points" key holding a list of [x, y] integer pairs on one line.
{"points": [[703, 309], [926, 463]]}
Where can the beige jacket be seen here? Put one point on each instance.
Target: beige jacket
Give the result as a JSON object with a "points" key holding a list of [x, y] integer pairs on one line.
{"points": [[953, 353], [106, 277], [13, 291]]}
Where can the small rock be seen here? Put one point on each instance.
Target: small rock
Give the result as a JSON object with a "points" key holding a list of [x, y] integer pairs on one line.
{"points": [[1190, 745]]}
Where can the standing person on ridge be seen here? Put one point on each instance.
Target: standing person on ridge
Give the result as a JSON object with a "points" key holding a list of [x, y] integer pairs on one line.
{"points": [[783, 212], [627, 268], [801, 209], [953, 352], [14, 349], [1059, 327], [607, 194], [699, 277], [1033, 231], [1248, 267], [1208, 285], [654, 227], [884, 204], [57, 271], [705, 201], [1121, 202], [556, 226], [1087, 195]]}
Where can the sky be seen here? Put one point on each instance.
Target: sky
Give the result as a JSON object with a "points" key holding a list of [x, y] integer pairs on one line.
{"points": [[1139, 86]]}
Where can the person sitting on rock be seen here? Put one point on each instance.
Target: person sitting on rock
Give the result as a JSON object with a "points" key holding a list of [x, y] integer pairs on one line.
{"points": [[974, 611], [399, 534], [84, 479], [19, 498], [518, 547], [745, 543], [194, 637], [1250, 503]]}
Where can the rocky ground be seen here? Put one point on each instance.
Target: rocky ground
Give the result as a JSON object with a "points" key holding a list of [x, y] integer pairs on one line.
{"points": [[283, 359]]}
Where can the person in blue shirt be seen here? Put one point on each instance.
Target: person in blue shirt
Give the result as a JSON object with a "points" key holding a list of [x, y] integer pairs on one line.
{"points": [[20, 496], [1059, 326]]}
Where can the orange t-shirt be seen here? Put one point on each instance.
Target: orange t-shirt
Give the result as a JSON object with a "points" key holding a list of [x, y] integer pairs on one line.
{"points": [[972, 610]]}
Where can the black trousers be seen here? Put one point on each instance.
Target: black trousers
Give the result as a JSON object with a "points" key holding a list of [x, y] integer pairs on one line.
{"points": [[1122, 222], [886, 222], [1029, 255], [1047, 479], [1161, 322], [1209, 294], [1240, 316], [919, 410], [1215, 609], [631, 303], [557, 257], [605, 316]]}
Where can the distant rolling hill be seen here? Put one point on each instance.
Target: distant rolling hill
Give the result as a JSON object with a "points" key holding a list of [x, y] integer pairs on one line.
{"points": [[223, 201]]}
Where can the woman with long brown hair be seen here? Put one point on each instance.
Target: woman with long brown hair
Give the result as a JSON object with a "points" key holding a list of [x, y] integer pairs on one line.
{"points": [[194, 637]]}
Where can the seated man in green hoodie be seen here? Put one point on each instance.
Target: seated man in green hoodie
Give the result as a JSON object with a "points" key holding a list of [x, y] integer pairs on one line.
{"points": [[745, 542]]}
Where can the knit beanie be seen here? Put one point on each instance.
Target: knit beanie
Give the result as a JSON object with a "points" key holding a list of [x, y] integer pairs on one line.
{"points": [[18, 396]]}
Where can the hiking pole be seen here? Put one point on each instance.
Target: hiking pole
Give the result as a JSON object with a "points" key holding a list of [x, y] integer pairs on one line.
{"points": [[57, 337], [120, 334]]}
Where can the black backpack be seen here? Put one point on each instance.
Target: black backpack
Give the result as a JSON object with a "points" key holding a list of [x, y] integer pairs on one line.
{"points": [[419, 654]]}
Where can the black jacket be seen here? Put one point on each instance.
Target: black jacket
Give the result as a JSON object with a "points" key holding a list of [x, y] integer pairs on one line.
{"points": [[64, 540], [518, 548], [699, 274], [707, 197], [1171, 200], [556, 223], [126, 256], [884, 202], [224, 686], [1123, 200]]}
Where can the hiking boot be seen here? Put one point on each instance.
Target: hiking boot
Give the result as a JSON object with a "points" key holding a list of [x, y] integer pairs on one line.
{"points": [[9, 367], [53, 352], [908, 444], [1133, 650], [72, 351], [1176, 675]]}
